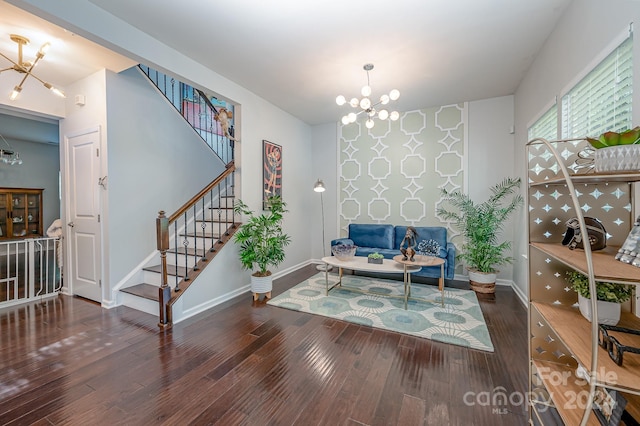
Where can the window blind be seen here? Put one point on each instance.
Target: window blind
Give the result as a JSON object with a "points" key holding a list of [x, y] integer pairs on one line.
{"points": [[546, 126], [601, 101]]}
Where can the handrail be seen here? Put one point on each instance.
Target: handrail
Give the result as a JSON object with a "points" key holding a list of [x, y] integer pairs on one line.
{"points": [[201, 116], [197, 236], [230, 169], [206, 100]]}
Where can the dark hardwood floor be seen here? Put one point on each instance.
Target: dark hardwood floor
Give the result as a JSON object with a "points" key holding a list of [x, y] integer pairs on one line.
{"points": [[67, 361]]}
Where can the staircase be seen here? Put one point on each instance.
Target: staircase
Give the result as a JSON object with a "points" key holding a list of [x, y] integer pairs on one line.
{"points": [[193, 235]]}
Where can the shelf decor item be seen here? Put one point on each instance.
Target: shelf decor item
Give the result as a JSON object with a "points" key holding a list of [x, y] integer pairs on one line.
{"points": [[609, 295], [344, 252], [481, 225], [596, 234], [617, 152], [630, 251], [262, 242], [375, 258]]}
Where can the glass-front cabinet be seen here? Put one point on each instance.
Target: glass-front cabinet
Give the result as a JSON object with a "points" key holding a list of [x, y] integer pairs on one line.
{"points": [[20, 213]]}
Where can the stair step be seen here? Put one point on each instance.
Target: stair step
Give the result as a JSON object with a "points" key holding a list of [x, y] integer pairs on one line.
{"points": [[190, 251], [174, 270], [214, 221], [201, 234], [143, 290]]}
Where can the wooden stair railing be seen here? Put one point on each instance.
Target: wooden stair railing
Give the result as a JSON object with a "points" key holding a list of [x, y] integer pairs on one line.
{"points": [[191, 237], [196, 108]]}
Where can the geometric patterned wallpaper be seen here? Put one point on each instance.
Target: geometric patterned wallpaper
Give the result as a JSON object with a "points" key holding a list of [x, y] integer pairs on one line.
{"points": [[394, 172]]}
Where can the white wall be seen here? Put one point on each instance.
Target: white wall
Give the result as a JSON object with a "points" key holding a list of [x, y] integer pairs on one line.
{"points": [[155, 162], [585, 30], [255, 118], [490, 155], [324, 151]]}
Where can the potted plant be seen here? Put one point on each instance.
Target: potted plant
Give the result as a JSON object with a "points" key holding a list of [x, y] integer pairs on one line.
{"points": [[375, 258], [481, 224], [262, 242], [609, 297], [617, 151]]}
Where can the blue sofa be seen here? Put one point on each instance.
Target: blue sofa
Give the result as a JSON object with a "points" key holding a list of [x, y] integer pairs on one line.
{"points": [[386, 239]]}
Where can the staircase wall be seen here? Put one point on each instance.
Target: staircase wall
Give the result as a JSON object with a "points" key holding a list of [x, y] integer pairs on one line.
{"points": [[155, 162]]}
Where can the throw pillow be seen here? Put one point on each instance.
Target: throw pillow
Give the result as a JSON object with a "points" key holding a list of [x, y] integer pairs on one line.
{"points": [[428, 248]]}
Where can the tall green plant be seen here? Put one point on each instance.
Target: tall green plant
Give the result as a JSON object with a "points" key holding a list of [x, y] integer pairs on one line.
{"points": [[261, 238], [482, 223]]}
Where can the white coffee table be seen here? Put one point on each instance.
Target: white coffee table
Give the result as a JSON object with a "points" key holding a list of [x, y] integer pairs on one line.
{"points": [[361, 263]]}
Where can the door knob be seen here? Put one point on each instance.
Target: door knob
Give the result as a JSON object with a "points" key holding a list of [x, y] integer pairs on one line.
{"points": [[71, 224]]}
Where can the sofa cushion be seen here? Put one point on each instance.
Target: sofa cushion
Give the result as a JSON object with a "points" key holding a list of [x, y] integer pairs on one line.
{"points": [[371, 235], [425, 233]]}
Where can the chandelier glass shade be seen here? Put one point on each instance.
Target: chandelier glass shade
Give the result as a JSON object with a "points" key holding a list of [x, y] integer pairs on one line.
{"points": [[9, 156], [26, 67], [368, 107]]}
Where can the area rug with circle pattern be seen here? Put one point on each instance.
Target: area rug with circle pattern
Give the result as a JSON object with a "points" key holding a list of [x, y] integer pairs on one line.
{"points": [[459, 322]]}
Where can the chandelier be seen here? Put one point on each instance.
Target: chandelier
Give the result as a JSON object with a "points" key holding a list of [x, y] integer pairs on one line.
{"points": [[26, 67], [367, 106], [9, 156]]}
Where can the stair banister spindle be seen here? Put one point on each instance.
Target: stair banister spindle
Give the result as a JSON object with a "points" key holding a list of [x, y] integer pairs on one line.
{"points": [[186, 246], [176, 279], [211, 249], [203, 226], [164, 292], [195, 237]]}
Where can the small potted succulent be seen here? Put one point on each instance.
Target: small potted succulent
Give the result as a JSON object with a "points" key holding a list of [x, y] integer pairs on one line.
{"points": [[375, 258], [617, 151], [609, 297]]}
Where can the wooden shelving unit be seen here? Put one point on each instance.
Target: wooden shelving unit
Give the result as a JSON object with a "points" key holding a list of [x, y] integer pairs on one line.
{"points": [[20, 213], [605, 267], [575, 333], [566, 393], [560, 336]]}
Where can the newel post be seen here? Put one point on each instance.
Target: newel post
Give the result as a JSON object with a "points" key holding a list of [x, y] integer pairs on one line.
{"points": [[164, 292]]}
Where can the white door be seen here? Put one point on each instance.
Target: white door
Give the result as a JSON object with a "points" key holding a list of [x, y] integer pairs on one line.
{"points": [[83, 215]]}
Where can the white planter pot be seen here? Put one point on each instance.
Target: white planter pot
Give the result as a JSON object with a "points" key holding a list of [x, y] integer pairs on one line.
{"points": [[482, 282], [261, 285], [617, 158], [608, 312]]}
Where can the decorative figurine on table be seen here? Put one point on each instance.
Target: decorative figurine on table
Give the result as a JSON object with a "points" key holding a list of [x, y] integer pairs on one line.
{"points": [[410, 239]]}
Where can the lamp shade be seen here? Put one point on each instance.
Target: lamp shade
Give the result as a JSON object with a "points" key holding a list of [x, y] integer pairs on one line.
{"points": [[319, 186]]}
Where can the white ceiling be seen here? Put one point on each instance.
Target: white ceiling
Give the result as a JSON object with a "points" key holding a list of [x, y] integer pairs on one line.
{"points": [[300, 55]]}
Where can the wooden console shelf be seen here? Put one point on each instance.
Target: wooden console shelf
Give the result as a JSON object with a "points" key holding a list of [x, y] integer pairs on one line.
{"points": [[605, 266], [566, 397], [575, 332]]}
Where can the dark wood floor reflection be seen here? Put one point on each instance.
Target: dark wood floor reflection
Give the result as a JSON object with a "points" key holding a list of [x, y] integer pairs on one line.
{"points": [[67, 361]]}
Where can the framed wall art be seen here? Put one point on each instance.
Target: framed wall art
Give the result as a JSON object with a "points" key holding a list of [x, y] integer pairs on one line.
{"points": [[271, 171]]}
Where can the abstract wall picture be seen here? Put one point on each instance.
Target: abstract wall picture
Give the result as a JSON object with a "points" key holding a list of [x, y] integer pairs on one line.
{"points": [[271, 170]]}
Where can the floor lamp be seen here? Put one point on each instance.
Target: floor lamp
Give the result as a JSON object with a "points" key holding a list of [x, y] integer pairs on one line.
{"points": [[319, 187]]}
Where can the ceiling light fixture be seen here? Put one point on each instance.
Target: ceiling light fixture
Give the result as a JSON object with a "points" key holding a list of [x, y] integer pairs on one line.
{"points": [[367, 106], [26, 67], [9, 156]]}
